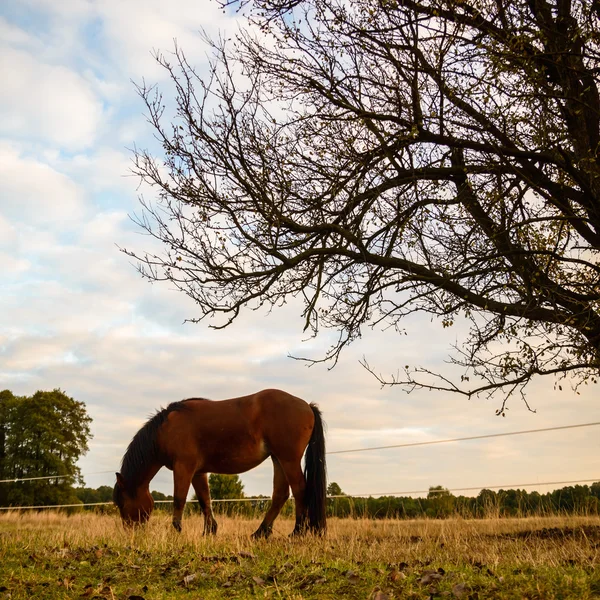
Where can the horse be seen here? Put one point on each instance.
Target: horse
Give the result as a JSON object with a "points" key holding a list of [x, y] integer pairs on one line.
{"points": [[196, 436]]}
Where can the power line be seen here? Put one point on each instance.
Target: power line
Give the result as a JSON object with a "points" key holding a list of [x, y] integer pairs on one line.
{"points": [[53, 506], [373, 494], [33, 478], [464, 439], [406, 445], [251, 499], [511, 486], [49, 477]]}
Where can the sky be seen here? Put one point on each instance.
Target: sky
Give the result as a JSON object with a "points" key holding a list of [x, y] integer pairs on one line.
{"points": [[76, 315]]}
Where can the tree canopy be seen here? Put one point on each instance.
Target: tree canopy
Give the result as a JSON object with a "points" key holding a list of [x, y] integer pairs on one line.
{"points": [[334, 489], [225, 487], [378, 158], [43, 435]]}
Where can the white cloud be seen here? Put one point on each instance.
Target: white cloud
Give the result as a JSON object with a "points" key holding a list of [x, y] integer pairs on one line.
{"points": [[48, 102], [33, 192], [8, 233], [11, 266], [70, 10], [15, 36], [133, 30], [104, 169]]}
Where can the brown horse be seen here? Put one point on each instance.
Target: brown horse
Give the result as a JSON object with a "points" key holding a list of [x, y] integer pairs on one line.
{"points": [[197, 436]]}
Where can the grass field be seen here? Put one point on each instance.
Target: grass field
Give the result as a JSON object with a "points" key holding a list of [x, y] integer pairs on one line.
{"points": [[50, 555]]}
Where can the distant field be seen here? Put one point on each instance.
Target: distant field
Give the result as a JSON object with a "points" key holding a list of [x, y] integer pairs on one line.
{"points": [[90, 556]]}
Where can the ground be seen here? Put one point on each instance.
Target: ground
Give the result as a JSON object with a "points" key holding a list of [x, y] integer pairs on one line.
{"points": [[48, 555]]}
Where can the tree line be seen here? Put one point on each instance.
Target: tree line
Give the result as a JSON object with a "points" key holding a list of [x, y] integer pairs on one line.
{"points": [[441, 503], [438, 504]]}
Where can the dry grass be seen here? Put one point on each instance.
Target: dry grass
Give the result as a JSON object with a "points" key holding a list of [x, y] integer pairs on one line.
{"points": [[54, 556]]}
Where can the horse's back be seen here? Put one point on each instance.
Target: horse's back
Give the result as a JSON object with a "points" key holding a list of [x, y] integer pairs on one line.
{"points": [[268, 403], [271, 400], [268, 422]]}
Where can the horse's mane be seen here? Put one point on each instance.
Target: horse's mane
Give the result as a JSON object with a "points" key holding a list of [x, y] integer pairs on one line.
{"points": [[143, 451]]}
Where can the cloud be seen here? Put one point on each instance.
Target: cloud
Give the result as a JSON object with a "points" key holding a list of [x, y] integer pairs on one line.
{"points": [[9, 266], [104, 169], [157, 25], [121, 37], [32, 192], [12, 35], [8, 233], [47, 102]]}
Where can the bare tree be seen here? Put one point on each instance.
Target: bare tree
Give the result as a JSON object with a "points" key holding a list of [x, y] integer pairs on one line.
{"points": [[384, 157]]}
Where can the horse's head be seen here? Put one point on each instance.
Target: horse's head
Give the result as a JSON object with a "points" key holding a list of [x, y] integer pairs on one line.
{"points": [[135, 508]]}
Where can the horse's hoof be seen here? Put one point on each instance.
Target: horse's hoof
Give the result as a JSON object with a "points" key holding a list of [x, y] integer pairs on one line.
{"points": [[261, 534], [302, 530], [177, 526]]}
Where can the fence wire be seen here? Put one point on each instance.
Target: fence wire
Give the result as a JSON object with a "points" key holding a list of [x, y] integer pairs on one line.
{"points": [[364, 495], [378, 494]]}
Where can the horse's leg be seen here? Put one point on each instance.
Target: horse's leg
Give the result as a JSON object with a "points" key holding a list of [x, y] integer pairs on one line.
{"points": [[182, 477], [200, 483], [295, 477], [281, 492]]}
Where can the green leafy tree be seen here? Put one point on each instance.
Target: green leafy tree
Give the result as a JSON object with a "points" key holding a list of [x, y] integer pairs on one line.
{"points": [[488, 504], [389, 157], [44, 436], [333, 489], [440, 502], [6, 399], [224, 487], [534, 503], [229, 487], [338, 507], [160, 496], [90, 495]]}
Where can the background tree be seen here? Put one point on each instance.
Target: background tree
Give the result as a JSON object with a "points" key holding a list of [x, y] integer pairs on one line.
{"points": [[229, 487], [378, 158], [488, 504], [45, 435], [224, 487], [160, 496], [338, 507], [333, 489], [441, 502], [6, 399], [102, 494]]}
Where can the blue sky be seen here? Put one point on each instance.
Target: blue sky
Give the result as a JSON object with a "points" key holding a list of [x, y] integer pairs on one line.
{"points": [[75, 314]]}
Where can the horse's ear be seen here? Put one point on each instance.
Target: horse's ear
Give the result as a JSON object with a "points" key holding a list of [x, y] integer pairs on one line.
{"points": [[120, 480]]}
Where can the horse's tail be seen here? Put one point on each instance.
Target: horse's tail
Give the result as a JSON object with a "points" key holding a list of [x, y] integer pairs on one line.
{"points": [[315, 475]]}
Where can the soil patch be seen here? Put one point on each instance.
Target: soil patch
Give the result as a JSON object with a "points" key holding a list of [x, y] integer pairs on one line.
{"points": [[591, 532]]}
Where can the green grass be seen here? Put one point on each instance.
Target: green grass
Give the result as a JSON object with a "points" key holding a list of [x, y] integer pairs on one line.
{"points": [[49, 555]]}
